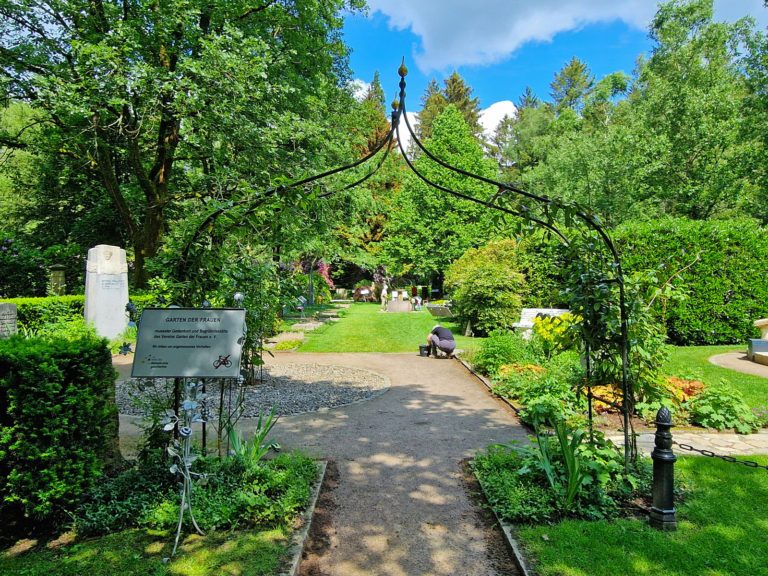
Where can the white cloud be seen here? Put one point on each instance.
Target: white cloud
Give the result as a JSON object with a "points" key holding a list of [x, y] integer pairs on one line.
{"points": [[495, 113], [359, 88], [405, 135], [455, 32]]}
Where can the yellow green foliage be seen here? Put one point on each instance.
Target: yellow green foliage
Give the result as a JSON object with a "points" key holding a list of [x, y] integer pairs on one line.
{"points": [[555, 332]]}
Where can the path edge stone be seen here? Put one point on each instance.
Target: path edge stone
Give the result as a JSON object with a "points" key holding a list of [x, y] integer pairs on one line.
{"points": [[509, 531], [299, 537]]}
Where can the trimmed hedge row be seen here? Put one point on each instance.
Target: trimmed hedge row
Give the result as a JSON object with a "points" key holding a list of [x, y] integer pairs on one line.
{"points": [[58, 426], [34, 313], [726, 288]]}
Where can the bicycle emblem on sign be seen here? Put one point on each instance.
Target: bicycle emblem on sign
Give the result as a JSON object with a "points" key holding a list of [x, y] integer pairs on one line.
{"points": [[222, 361]]}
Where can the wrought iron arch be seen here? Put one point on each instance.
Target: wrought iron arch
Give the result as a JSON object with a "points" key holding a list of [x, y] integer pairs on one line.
{"points": [[539, 210]]}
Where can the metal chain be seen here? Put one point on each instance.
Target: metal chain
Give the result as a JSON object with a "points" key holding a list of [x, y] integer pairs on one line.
{"points": [[711, 454]]}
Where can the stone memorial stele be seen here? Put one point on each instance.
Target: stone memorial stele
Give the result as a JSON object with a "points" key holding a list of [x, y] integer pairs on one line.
{"points": [[58, 281], [8, 326], [106, 290]]}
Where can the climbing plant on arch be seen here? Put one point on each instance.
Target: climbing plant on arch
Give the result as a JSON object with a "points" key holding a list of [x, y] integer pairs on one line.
{"points": [[596, 288]]}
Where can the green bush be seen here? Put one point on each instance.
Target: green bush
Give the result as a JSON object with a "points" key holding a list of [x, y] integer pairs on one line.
{"points": [[486, 287], [35, 313], [725, 287], [118, 503], [515, 498], [505, 347], [721, 407], [57, 425], [555, 478], [235, 494], [547, 392]]}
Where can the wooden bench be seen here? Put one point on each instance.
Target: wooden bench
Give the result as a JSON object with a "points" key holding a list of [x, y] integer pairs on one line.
{"points": [[528, 315]]}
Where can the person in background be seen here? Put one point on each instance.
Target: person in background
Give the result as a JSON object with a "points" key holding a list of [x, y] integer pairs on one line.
{"points": [[441, 339]]}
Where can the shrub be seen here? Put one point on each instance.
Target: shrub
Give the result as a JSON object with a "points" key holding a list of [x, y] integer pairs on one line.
{"points": [[118, 502], [721, 407], [236, 494], [555, 333], [504, 347], [35, 313], [556, 478], [24, 272], [515, 498], [486, 287], [548, 392], [58, 425], [725, 288]]}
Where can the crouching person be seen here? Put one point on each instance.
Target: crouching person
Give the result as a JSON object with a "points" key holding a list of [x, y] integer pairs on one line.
{"points": [[441, 339]]}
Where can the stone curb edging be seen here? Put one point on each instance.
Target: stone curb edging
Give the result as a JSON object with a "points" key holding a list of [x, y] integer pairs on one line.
{"points": [[508, 529], [297, 540], [509, 533]]}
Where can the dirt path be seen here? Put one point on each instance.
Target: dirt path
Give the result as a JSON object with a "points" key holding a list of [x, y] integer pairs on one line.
{"points": [[397, 499]]}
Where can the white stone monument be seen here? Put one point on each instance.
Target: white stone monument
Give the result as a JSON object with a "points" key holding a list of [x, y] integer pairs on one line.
{"points": [[106, 290]]}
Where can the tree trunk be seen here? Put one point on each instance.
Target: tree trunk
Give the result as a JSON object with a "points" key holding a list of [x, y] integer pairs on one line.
{"points": [[147, 243]]}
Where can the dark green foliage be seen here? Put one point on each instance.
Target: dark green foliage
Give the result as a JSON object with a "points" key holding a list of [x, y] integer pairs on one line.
{"points": [[24, 273], [514, 497], [531, 484], [725, 287], [116, 503], [56, 423], [543, 261], [234, 494], [548, 391]]}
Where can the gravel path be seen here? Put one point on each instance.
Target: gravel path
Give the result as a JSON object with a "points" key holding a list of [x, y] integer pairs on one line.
{"points": [[290, 388], [398, 499]]}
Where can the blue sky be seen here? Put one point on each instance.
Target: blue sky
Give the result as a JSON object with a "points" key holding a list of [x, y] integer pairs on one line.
{"points": [[501, 46]]}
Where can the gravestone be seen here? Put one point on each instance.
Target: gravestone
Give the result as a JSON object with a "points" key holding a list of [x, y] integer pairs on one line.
{"points": [[106, 290], [58, 282], [8, 326]]}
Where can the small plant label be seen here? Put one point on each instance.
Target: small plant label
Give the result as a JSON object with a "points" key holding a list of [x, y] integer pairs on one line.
{"points": [[189, 343]]}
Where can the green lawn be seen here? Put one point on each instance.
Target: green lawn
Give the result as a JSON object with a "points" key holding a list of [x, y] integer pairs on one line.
{"points": [[141, 553], [722, 531], [692, 362], [364, 328]]}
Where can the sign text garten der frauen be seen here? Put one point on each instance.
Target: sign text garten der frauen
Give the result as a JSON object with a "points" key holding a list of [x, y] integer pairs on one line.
{"points": [[189, 343]]}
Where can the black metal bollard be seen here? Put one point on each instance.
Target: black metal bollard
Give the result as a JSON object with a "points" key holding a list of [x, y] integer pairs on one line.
{"points": [[663, 510]]}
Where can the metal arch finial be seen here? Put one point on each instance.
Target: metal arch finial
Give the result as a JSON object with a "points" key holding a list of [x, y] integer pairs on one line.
{"points": [[402, 71], [663, 416]]}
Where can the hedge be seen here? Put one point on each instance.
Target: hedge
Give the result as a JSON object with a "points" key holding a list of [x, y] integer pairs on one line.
{"points": [[726, 289], [58, 427], [34, 313]]}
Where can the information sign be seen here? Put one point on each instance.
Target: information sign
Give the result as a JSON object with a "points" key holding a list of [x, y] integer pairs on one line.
{"points": [[189, 343]]}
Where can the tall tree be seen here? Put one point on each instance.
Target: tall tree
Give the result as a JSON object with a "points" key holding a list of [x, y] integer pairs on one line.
{"points": [[430, 228], [435, 100], [528, 99], [676, 144], [166, 105], [571, 86]]}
